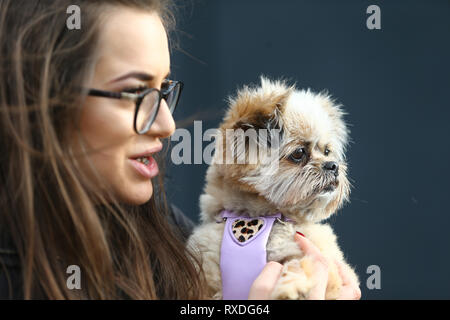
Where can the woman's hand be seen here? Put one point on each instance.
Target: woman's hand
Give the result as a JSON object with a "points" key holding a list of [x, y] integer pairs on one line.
{"points": [[320, 273], [350, 289], [267, 279], [265, 282]]}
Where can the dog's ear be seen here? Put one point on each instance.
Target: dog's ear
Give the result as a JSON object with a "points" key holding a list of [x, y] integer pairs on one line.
{"points": [[260, 120], [258, 108]]}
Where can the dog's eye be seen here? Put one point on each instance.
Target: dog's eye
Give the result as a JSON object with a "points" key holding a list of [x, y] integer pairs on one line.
{"points": [[327, 151], [297, 155]]}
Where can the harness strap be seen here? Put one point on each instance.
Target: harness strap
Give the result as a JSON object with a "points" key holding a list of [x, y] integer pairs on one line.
{"points": [[242, 262]]}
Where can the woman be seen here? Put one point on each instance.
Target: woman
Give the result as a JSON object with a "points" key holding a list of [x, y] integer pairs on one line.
{"points": [[83, 118]]}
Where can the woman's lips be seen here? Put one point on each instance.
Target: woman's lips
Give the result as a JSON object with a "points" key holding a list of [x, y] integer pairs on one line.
{"points": [[147, 171], [149, 152]]}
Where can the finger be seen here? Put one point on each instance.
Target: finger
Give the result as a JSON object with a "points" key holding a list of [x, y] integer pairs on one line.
{"points": [[349, 293], [266, 281], [309, 248], [321, 279], [350, 289], [345, 293], [344, 272]]}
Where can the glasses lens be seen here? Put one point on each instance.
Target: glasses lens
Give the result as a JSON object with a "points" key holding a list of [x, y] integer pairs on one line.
{"points": [[172, 98], [147, 111]]}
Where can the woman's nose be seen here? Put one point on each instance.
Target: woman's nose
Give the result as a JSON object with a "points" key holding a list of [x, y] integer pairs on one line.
{"points": [[164, 125]]}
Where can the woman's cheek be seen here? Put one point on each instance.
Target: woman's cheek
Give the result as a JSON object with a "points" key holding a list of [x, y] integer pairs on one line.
{"points": [[113, 124], [107, 129]]}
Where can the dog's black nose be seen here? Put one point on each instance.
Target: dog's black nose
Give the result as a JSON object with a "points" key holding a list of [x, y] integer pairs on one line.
{"points": [[331, 166]]}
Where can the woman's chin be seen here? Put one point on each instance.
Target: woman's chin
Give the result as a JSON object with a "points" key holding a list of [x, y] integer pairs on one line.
{"points": [[138, 194]]}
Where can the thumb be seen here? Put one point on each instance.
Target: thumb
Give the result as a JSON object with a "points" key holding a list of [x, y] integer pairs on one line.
{"points": [[266, 281]]}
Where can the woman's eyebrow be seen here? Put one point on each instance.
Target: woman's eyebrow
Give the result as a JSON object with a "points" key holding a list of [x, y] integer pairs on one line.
{"points": [[137, 75]]}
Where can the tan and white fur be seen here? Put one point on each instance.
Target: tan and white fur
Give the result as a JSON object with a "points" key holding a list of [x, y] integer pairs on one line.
{"points": [[303, 186]]}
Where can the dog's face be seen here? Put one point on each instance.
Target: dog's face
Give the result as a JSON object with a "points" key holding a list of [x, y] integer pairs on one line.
{"points": [[308, 176]]}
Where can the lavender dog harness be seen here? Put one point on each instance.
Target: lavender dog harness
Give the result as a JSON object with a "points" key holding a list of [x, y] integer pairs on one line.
{"points": [[243, 252]]}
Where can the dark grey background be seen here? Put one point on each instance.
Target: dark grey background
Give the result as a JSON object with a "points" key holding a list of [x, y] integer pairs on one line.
{"points": [[393, 82]]}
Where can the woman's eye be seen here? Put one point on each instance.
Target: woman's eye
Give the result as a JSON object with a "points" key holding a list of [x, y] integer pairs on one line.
{"points": [[137, 90], [297, 155], [327, 151]]}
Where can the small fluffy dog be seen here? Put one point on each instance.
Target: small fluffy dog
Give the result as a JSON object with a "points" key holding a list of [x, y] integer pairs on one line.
{"points": [[306, 183]]}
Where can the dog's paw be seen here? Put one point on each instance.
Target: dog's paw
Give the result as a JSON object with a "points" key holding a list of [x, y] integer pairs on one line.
{"points": [[295, 281]]}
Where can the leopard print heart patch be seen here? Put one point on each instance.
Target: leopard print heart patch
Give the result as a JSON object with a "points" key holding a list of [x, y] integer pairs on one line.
{"points": [[244, 229]]}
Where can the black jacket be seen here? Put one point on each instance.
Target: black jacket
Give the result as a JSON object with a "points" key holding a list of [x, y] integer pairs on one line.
{"points": [[10, 272]]}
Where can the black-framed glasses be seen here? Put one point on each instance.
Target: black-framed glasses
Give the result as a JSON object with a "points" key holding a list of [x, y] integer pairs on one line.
{"points": [[147, 102]]}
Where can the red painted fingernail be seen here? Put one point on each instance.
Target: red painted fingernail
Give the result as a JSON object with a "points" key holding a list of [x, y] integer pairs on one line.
{"points": [[301, 234]]}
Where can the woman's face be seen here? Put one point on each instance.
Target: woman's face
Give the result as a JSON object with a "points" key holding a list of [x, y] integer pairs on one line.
{"points": [[133, 53]]}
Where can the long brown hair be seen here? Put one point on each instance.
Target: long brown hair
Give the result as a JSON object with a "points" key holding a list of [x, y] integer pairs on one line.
{"points": [[55, 216]]}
